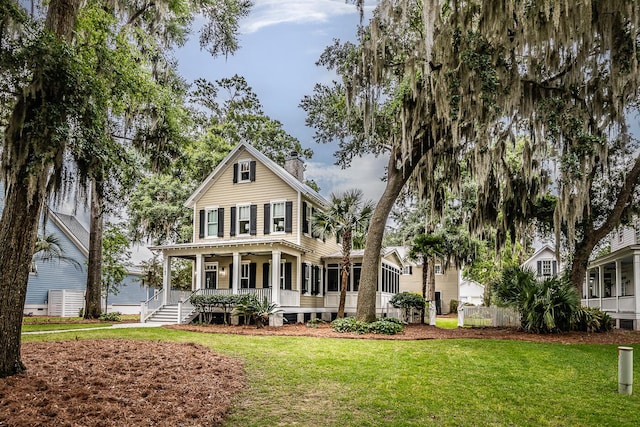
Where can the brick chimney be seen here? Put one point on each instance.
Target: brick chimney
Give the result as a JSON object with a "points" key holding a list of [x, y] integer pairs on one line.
{"points": [[295, 166]]}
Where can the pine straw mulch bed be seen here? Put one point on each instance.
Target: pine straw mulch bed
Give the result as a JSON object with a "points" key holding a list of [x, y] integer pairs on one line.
{"points": [[119, 383], [150, 383]]}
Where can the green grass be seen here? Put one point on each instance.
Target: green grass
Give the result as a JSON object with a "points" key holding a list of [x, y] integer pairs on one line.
{"points": [[311, 381], [447, 322]]}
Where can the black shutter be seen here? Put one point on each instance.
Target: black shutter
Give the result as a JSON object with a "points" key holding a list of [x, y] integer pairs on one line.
{"points": [[265, 275], [288, 217], [287, 275], [315, 280], [252, 275], [231, 276], [410, 269], [220, 222], [267, 218], [252, 170], [232, 226], [539, 268], [202, 214], [303, 276], [252, 219], [305, 225], [235, 173]]}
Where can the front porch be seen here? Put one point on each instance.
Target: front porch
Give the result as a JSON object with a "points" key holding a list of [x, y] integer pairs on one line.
{"points": [[612, 284]]}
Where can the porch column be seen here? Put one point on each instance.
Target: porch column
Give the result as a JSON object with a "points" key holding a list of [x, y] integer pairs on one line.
{"points": [[275, 277], [618, 284], [166, 279], [199, 271], [587, 283], [636, 284], [236, 272], [600, 284]]}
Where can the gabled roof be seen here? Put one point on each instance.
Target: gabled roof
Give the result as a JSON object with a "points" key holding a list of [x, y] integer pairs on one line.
{"points": [[544, 247], [304, 189], [71, 228]]}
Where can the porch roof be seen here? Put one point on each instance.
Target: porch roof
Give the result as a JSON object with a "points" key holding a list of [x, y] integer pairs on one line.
{"points": [[621, 253], [227, 244]]}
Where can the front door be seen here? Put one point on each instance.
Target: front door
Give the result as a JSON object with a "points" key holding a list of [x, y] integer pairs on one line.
{"points": [[438, 304], [211, 276]]}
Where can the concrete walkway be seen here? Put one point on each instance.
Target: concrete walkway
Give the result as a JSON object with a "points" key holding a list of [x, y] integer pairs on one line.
{"points": [[116, 326]]}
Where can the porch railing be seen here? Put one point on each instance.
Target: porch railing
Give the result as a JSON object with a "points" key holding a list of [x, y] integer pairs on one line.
{"points": [[151, 305], [612, 304]]}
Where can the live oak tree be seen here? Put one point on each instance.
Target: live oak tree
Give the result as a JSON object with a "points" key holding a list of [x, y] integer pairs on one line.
{"points": [[52, 99], [468, 78]]}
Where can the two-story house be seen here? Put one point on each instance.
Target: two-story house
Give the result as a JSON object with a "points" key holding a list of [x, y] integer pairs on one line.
{"points": [[253, 233], [612, 281]]}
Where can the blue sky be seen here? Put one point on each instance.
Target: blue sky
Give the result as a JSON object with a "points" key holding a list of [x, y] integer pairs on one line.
{"points": [[280, 42]]}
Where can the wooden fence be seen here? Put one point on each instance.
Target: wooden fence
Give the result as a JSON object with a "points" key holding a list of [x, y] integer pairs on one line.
{"points": [[476, 316]]}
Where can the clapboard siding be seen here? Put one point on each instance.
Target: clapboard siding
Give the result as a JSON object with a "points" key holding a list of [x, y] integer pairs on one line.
{"points": [[132, 291], [57, 274], [267, 187], [622, 239]]}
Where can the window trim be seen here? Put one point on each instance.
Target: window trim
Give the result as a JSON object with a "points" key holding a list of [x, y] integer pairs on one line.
{"points": [[208, 209], [437, 269], [272, 225], [242, 162], [239, 230], [243, 265]]}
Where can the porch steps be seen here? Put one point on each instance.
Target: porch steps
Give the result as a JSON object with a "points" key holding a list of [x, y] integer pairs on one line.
{"points": [[169, 314]]}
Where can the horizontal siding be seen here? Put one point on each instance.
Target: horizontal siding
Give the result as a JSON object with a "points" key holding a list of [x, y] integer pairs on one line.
{"points": [[132, 291], [266, 188], [57, 274], [446, 284], [628, 238], [311, 301]]}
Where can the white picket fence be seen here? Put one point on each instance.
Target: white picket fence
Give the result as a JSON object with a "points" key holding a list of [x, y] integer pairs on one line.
{"points": [[477, 316]]}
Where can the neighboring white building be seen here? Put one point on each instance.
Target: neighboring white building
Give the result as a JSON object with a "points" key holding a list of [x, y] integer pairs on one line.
{"points": [[471, 292], [544, 262]]}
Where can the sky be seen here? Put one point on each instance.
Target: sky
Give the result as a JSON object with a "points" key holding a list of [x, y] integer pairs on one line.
{"points": [[280, 42]]}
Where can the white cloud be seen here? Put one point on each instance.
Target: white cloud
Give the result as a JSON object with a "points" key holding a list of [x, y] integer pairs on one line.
{"points": [[273, 12], [365, 173]]}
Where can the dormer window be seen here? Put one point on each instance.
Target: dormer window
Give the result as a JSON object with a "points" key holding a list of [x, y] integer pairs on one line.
{"points": [[244, 171]]}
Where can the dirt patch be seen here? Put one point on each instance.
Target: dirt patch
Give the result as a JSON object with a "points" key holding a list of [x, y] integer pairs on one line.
{"points": [[118, 383], [425, 332]]}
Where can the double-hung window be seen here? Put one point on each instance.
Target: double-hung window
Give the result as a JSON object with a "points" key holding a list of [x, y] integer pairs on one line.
{"points": [[546, 267], [278, 217], [244, 219], [244, 171], [212, 222]]}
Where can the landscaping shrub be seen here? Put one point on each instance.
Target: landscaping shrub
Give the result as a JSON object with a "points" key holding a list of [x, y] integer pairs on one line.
{"points": [[407, 301], [314, 323], [205, 304], [591, 319], [545, 306], [387, 326], [252, 308], [110, 317]]}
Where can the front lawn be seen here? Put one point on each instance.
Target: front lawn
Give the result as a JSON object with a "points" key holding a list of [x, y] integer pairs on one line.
{"points": [[313, 381]]}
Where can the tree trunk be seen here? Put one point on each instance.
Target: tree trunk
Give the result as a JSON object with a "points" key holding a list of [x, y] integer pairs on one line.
{"points": [[28, 155], [591, 237], [431, 280], [425, 277], [18, 234], [93, 295], [346, 266], [396, 178]]}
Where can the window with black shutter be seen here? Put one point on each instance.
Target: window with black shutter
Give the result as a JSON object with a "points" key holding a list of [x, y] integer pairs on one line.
{"points": [[288, 220]]}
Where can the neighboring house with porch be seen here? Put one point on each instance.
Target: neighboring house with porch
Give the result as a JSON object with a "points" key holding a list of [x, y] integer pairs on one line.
{"points": [[253, 233], [612, 281]]}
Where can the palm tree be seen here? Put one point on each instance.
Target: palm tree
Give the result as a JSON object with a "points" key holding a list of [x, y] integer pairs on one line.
{"points": [[48, 248], [425, 248], [348, 220]]}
